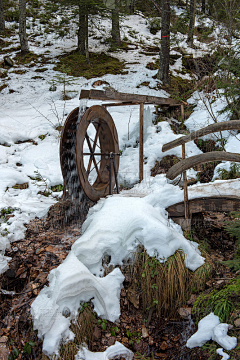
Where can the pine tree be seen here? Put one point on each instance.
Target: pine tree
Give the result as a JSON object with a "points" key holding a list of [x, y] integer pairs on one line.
{"points": [[165, 43], [2, 22], [115, 23], [191, 22], [22, 27]]}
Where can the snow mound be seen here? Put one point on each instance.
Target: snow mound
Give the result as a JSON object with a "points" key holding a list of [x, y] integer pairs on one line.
{"points": [[115, 350], [69, 285], [210, 328], [117, 225]]}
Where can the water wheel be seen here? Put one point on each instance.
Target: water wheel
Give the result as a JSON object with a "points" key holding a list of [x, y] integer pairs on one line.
{"points": [[89, 143]]}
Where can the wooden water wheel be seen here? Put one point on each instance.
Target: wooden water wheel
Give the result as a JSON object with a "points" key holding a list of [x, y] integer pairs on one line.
{"points": [[89, 153]]}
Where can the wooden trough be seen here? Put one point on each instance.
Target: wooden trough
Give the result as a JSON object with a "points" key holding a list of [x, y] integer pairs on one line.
{"points": [[183, 210]]}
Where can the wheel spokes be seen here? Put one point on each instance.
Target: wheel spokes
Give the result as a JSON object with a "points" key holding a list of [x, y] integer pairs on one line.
{"points": [[92, 153]]}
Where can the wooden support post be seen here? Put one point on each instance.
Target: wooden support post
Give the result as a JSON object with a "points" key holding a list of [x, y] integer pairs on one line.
{"points": [[182, 112], [186, 205], [141, 142]]}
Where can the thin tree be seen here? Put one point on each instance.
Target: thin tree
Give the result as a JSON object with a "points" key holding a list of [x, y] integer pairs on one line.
{"points": [[82, 27], [163, 71], [22, 27], [191, 22], [115, 23], [2, 22], [204, 6]]}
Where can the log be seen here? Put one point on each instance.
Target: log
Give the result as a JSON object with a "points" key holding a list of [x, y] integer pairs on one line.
{"points": [[111, 94], [227, 125], [186, 164], [212, 203]]}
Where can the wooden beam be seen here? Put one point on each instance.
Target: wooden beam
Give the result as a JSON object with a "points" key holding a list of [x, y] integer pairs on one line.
{"points": [[227, 125], [186, 164], [141, 141], [111, 94], [186, 207], [212, 203]]}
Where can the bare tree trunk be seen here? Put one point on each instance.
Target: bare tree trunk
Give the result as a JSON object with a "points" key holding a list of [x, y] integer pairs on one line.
{"points": [[203, 6], [22, 27], [132, 6], [82, 29], [2, 22], [115, 24], [165, 43], [191, 22], [186, 4], [86, 32]]}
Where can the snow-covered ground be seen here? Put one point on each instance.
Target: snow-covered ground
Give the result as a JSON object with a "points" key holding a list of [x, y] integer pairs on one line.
{"points": [[29, 149]]}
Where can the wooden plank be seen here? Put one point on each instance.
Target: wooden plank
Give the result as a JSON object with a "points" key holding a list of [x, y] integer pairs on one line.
{"points": [[186, 164], [186, 207], [227, 125], [120, 104], [213, 203], [141, 142], [111, 94]]}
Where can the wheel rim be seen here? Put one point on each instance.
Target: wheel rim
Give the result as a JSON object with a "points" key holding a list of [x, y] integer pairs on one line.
{"points": [[96, 148]]}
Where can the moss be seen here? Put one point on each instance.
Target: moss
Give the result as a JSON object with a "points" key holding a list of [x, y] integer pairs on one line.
{"points": [[181, 89], [100, 64], [222, 302]]}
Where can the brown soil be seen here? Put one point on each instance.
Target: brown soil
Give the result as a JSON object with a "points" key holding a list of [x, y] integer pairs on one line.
{"points": [[44, 248]]}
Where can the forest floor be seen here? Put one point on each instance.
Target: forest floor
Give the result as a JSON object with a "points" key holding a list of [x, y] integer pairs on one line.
{"points": [[146, 334]]}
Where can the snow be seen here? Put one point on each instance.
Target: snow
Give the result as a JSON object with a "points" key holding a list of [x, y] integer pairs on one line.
{"points": [[223, 354], [209, 328], [117, 225], [112, 351], [71, 283]]}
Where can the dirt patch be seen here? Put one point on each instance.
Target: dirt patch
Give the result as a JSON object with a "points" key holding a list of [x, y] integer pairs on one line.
{"points": [[162, 167]]}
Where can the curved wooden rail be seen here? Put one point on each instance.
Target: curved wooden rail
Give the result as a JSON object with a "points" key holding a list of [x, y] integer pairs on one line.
{"points": [[227, 125], [186, 164], [211, 203]]}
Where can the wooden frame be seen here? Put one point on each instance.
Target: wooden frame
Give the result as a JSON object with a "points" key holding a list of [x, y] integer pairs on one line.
{"points": [[185, 164], [131, 99]]}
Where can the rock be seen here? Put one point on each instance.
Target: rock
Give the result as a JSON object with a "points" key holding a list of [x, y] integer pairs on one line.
{"points": [[185, 313], [144, 332], [97, 332], [4, 351], [237, 322], [111, 341], [8, 61], [192, 299], [150, 341]]}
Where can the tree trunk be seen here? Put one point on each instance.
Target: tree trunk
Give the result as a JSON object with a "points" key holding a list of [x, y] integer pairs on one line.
{"points": [[191, 22], [82, 28], [22, 27], [2, 22], [203, 6], [115, 24], [132, 6], [186, 4], [165, 43]]}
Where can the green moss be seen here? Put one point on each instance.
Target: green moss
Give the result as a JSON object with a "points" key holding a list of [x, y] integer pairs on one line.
{"points": [[181, 89], [100, 64], [222, 303]]}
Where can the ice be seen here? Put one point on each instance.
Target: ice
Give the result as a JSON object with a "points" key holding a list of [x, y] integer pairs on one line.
{"points": [[116, 350], [70, 284]]}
